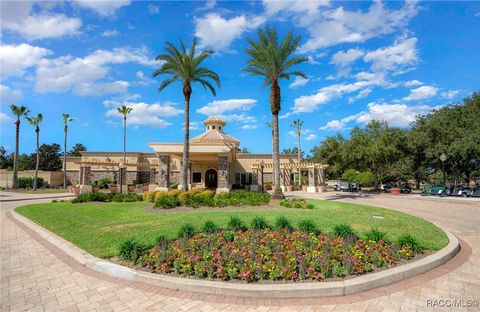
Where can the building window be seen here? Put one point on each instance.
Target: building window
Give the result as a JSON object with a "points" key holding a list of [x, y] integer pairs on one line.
{"points": [[219, 128], [246, 179], [237, 178], [196, 177], [213, 127]]}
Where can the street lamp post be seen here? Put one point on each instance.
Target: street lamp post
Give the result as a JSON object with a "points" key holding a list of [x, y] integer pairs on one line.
{"points": [[443, 157], [262, 164]]}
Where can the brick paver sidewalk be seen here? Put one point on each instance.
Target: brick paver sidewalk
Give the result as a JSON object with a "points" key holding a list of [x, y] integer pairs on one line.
{"points": [[38, 277]]}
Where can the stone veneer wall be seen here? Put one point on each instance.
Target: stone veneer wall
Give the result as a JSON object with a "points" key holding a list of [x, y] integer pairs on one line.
{"points": [[142, 176]]}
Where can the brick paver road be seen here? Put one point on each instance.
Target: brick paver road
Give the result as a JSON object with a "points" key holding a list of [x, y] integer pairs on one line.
{"points": [[38, 277]]}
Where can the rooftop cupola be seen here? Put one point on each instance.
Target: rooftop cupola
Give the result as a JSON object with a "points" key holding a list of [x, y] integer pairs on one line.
{"points": [[214, 123]]}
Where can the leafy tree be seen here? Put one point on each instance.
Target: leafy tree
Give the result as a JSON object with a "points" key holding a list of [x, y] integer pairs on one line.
{"points": [[272, 59], [244, 150], [35, 121], [18, 111], [5, 160], [331, 152], [50, 157], [184, 65], [294, 151], [66, 120], [77, 148], [372, 148], [26, 162], [350, 175]]}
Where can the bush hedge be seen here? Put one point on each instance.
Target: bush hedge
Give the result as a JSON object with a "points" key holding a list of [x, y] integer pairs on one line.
{"points": [[27, 182], [207, 198], [296, 203], [107, 197]]}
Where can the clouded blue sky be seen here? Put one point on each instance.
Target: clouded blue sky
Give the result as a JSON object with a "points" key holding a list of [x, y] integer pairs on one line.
{"points": [[368, 60]]}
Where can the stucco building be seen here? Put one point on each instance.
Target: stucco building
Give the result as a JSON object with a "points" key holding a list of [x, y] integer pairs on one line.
{"points": [[215, 162]]}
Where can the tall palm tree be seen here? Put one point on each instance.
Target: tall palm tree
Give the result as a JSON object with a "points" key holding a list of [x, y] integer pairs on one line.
{"points": [[66, 119], [298, 125], [272, 60], [124, 110], [35, 121], [19, 111], [184, 65]]}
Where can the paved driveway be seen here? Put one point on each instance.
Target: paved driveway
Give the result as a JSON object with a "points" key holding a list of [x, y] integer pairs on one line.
{"points": [[36, 276]]}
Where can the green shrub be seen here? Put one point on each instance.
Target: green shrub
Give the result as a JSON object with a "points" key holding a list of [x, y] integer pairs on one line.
{"points": [[308, 226], [205, 198], [344, 231], [209, 227], [27, 182], [282, 223], [104, 183], [235, 224], [296, 203], [259, 223], [172, 185], [82, 198], [376, 235], [186, 231], [174, 193], [161, 239], [149, 197], [410, 242], [167, 201], [117, 197], [131, 250]]}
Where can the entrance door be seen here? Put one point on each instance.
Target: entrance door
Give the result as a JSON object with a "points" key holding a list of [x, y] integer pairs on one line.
{"points": [[211, 178]]}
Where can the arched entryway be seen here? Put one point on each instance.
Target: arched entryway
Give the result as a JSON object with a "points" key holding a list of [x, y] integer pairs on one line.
{"points": [[211, 178]]}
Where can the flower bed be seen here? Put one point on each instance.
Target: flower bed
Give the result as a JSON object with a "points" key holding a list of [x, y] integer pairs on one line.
{"points": [[267, 254], [296, 203], [207, 198]]}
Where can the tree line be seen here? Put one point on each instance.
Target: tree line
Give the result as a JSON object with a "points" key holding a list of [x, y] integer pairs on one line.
{"points": [[395, 154], [50, 157]]}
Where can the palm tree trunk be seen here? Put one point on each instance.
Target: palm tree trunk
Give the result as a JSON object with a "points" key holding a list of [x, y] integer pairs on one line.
{"points": [[65, 129], [299, 160], [275, 108], [124, 139], [37, 164], [187, 91], [15, 159]]}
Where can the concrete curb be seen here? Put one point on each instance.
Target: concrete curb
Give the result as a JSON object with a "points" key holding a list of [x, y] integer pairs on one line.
{"points": [[274, 291], [36, 198]]}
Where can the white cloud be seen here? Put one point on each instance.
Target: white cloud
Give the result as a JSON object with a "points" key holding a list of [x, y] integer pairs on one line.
{"points": [[361, 95], [143, 113], [421, 93], [15, 59], [9, 96], [413, 83], [220, 107], [5, 118], [103, 8], [309, 103], [142, 79], [298, 82], [304, 12], [249, 127], [17, 16], [398, 57], [343, 60], [451, 94], [396, 115], [82, 74], [333, 125], [195, 125], [153, 9], [311, 137], [218, 33], [110, 33], [334, 26]]}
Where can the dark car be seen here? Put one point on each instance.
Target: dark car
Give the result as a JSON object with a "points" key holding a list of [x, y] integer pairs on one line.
{"points": [[476, 191], [347, 187], [461, 190], [404, 188]]}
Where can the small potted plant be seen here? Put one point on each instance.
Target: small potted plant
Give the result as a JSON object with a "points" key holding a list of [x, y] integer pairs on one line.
{"points": [[145, 187], [95, 187], [76, 189], [113, 187], [131, 186], [289, 188]]}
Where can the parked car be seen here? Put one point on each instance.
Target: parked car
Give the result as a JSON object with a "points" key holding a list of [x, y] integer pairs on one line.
{"points": [[462, 190], [476, 191], [347, 187], [404, 188]]}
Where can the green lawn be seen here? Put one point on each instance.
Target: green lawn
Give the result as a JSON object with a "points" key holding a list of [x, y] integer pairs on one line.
{"points": [[99, 228]]}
